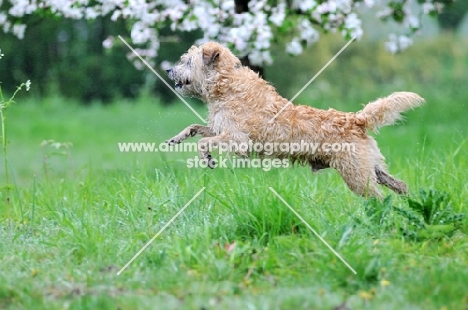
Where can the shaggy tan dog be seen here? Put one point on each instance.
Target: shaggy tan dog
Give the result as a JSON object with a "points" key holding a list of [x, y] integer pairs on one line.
{"points": [[245, 108]]}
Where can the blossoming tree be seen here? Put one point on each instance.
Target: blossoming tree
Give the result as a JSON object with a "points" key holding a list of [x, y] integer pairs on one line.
{"points": [[247, 26]]}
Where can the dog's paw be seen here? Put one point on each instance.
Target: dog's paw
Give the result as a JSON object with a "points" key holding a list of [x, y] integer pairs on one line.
{"points": [[210, 162], [173, 141]]}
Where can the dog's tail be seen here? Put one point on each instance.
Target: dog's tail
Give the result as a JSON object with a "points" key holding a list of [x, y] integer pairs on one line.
{"points": [[386, 111]]}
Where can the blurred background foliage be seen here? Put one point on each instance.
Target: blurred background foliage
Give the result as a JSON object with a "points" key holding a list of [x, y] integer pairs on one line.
{"points": [[66, 58]]}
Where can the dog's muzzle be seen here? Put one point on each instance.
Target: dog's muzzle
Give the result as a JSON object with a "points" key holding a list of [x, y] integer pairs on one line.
{"points": [[170, 73], [178, 83]]}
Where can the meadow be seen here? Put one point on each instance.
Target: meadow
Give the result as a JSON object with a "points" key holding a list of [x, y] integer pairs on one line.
{"points": [[79, 209]]}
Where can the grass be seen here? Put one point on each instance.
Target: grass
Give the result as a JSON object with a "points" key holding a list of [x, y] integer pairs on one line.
{"points": [[79, 214]]}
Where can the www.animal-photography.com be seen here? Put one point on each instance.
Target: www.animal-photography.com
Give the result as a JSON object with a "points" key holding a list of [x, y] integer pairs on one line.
{"points": [[240, 154]]}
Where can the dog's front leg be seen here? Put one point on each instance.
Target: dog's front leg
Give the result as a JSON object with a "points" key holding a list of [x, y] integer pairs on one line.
{"points": [[205, 145], [191, 131], [223, 143]]}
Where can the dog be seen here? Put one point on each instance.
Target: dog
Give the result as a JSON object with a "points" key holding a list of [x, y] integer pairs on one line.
{"points": [[244, 108]]}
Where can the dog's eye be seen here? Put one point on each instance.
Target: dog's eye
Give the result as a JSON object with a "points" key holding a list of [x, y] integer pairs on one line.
{"points": [[189, 62]]}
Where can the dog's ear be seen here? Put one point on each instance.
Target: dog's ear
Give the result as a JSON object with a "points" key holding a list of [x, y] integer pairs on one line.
{"points": [[210, 54]]}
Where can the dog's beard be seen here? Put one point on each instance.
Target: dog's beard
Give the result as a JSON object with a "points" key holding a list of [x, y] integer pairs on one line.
{"points": [[183, 87], [180, 83], [186, 88]]}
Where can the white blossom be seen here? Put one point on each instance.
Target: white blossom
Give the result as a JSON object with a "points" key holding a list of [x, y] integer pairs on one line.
{"points": [[260, 58], [428, 7], [140, 33], [397, 44], [391, 45], [263, 38], [307, 32], [327, 7], [239, 37], [278, 14], [91, 13], [404, 42], [228, 5], [369, 3], [18, 30], [188, 25], [240, 33], [411, 21], [108, 42], [353, 24], [116, 15], [256, 5], [174, 13], [3, 18], [6, 27], [249, 33], [304, 5], [294, 47], [165, 65], [384, 13], [21, 8], [28, 85]]}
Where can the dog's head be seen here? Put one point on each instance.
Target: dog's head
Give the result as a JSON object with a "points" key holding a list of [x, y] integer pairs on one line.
{"points": [[198, 71]]}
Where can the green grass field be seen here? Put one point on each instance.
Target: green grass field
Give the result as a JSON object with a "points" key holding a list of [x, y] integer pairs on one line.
{"points": [[77, 215]]}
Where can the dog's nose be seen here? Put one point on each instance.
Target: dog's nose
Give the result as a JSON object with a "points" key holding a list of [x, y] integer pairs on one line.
{"points": [[169, 70]]}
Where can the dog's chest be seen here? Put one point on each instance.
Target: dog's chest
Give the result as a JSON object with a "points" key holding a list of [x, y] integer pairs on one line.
{"points": [[223, 121]]}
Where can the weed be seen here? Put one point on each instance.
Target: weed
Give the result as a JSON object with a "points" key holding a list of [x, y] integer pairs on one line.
{"points": [[430, 215], [4, 105]]}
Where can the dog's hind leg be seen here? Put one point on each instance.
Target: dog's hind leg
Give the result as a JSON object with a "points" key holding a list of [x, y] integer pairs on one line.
{"points": [[360, 180], [381, 173], [357, 168], [384, 178]]}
